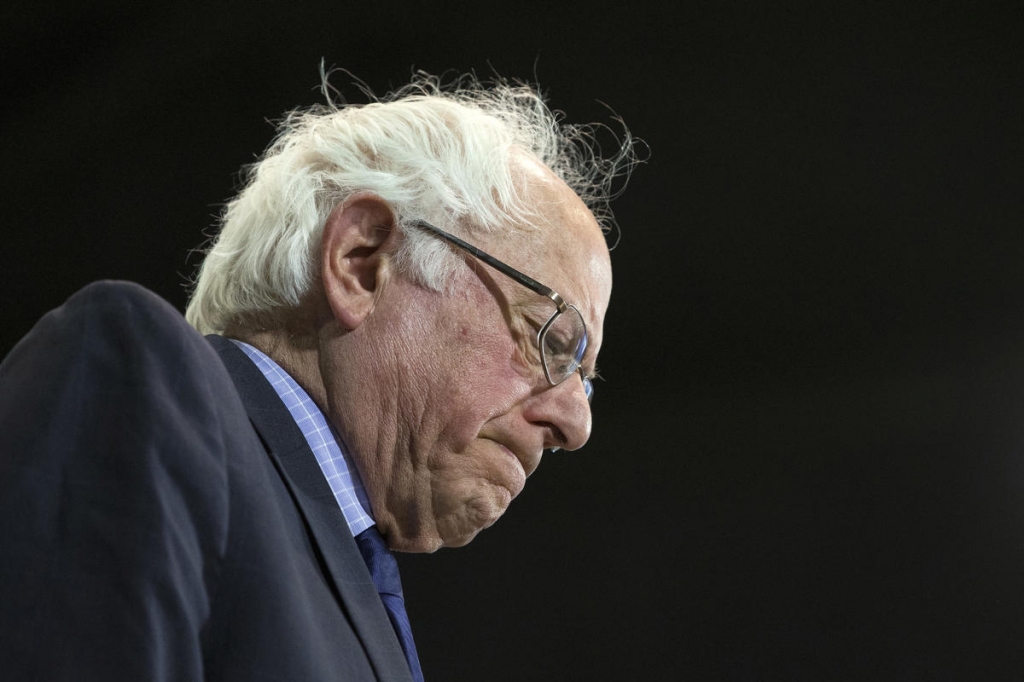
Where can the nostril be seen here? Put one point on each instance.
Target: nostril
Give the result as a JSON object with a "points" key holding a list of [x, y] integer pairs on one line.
{"points": [[556, 437]]}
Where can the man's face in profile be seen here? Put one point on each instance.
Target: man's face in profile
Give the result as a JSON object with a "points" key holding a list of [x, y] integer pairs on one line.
{"points": [[474, 410]]}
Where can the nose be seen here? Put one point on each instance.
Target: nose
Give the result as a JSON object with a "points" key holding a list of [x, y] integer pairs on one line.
{"points": [[563, 411]]}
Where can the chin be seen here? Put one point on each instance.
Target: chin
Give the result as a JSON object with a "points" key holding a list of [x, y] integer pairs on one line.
{"points": [[456, 529], [459, 528], [460, 541]]}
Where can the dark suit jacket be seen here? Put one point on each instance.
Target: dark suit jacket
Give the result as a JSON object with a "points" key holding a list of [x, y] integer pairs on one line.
{"points": [[162, 517]]}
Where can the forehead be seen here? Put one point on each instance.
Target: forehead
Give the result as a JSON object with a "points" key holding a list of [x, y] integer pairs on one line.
{"points": [[567, 251]]}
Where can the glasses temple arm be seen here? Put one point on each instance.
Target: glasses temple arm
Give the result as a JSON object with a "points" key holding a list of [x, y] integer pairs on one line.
{"points": [[508, 270]]}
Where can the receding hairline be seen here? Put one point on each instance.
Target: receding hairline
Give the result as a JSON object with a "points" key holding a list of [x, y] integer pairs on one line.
{"points": [[258, 264]]}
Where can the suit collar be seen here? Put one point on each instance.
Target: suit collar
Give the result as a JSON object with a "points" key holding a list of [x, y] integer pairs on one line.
{"points": [[298, 467], [335, 464]]}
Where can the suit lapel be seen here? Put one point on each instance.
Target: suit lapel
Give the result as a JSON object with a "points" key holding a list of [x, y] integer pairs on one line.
{"points": [[302, 475]]}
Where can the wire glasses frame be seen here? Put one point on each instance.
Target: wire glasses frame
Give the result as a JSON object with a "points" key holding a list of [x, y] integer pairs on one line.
{"points": [[563, 338]]}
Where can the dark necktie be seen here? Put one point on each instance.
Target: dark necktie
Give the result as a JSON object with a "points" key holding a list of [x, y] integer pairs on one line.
{"points": [[384, 571]]}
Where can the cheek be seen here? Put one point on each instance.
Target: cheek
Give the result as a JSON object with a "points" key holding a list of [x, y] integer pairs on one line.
{"points": [[486, 385], [471, 481], [482, 373]]}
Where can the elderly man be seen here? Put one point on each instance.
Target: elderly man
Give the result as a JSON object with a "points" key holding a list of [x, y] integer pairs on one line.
{"points": [[403, 310]]}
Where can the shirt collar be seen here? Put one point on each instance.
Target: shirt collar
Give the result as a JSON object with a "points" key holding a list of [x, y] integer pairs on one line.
{"points": [[335, 463]]}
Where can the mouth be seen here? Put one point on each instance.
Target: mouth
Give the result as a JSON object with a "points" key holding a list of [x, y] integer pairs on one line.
{"points": [[527, 462], [512, 455]]}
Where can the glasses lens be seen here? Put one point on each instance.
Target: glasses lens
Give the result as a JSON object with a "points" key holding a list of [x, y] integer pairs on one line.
{"points": [[562, 344], [588, 388]]}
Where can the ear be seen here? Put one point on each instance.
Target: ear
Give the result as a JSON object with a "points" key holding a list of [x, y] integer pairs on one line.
{"points": [[358, 238]]}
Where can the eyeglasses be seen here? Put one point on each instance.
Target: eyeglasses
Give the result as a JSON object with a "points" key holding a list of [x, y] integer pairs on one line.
{"points": [[563, 338]]}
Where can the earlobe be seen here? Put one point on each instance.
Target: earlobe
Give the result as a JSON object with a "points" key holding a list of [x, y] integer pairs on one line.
{"points": [[359, 237]]}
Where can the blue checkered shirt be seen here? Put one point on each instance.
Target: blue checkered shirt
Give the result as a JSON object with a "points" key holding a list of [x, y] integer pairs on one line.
{"points": [[334, 462]]}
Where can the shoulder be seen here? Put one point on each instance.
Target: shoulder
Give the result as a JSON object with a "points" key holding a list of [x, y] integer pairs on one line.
{"points": [[124, 308], [121, 322], [118, 420], [115, 385], [114, 292], [114, 340]]}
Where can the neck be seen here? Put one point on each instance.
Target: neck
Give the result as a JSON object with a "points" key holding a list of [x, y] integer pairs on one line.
{"points": [[297, 354]]}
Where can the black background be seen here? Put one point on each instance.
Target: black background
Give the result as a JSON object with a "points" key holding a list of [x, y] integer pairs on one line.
{"points": [[808, 455]]}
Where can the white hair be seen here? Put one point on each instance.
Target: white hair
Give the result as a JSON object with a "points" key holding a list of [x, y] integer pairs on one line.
{"points": [[433, 151]]}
